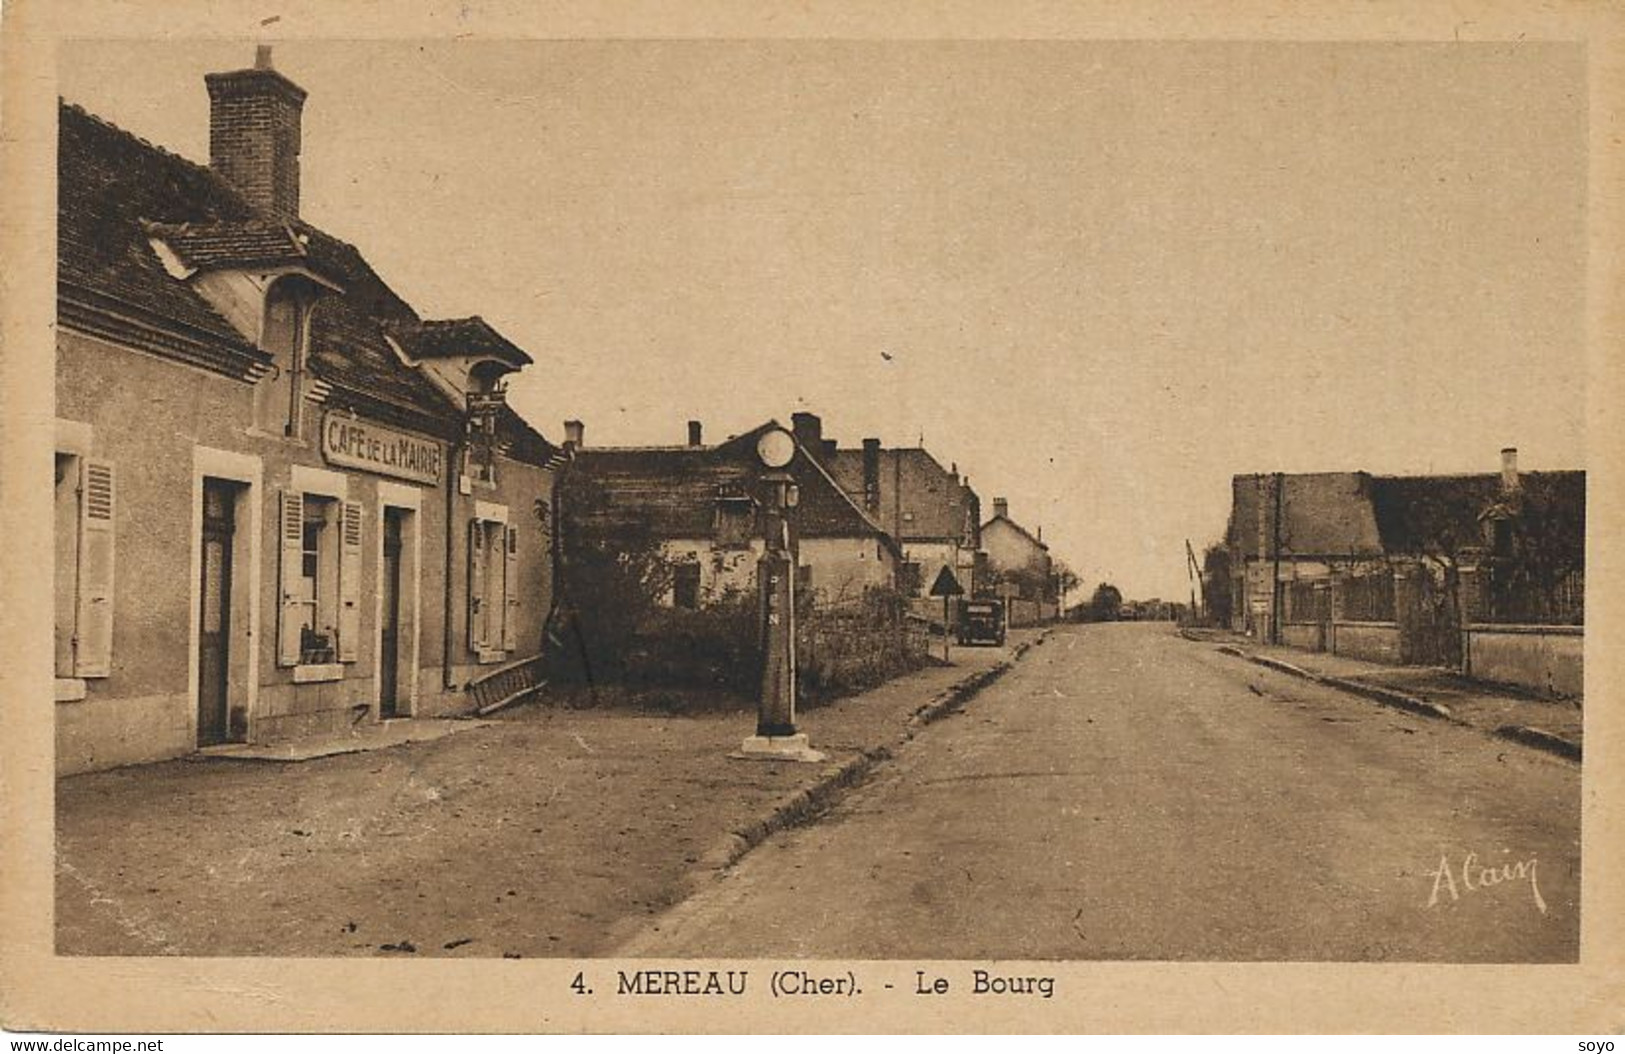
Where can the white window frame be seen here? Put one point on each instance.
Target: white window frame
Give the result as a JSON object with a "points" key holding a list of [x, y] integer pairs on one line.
{"points": [[409, 498], [75, 440], [208, 462], [335, 595], [490, 524]]}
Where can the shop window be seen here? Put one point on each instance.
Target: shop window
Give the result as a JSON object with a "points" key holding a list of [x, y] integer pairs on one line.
{"points": [[320, 616], [685, 586], [493, 589], [84, 519]]}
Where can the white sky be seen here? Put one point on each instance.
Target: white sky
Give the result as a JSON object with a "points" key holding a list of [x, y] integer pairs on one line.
{"points": [[1102, 277]]}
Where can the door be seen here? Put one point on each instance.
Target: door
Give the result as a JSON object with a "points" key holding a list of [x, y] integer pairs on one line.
{"points": [[389, 624], [214, 615]]}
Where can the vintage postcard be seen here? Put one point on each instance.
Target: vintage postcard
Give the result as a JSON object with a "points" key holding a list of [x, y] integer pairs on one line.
{"points": [[812, 518]]}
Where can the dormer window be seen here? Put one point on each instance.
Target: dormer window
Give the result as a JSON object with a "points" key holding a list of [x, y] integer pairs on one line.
{"points": [[259, 276], [284, 335], [487, 392]]}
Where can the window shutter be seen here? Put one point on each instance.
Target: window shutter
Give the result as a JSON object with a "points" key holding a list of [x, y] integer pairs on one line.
{"points": [[350, 583], [292, 532], [93, 617], [510, 592], [476, 584]]}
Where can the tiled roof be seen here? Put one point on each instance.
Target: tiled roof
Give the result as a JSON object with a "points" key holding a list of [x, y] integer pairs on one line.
{"points": [[109, 181], [113, 187], [1357, 515], [450, 338], [523, 442], [237, 244], [1018, 529], [672, 492], [1322, 514], [1414, 513]]}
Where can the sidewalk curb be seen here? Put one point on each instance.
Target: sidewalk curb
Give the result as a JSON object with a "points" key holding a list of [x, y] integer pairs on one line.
{"points": [[802, 806], [1385, 696], [1541, 739], [1538, 738]]}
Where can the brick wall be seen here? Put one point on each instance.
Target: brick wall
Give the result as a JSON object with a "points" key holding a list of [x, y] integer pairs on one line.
{"points": [[254, 137]]}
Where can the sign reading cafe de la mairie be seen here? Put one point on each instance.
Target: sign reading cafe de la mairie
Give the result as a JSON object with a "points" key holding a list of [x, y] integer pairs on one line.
{"points": [[373, 448]]}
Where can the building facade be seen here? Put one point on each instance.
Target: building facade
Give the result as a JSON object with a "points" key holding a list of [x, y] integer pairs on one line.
{"points": [[1020, 570], [931, 511], [702, 505], [285, 503], [1483, 573]]}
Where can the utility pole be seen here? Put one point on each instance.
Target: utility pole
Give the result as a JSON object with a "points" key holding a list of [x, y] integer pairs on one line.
{"points": [[1275, 574], [1196, 579]]}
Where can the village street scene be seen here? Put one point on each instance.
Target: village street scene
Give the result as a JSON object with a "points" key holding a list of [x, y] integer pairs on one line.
{"points": [[933, 504]]}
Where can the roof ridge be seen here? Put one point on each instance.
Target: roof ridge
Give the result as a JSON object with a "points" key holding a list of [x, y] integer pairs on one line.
{"points": [[96, 118]]}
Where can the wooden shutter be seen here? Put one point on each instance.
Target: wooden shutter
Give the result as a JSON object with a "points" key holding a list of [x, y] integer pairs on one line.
{"points": [[350, 583], [93, 615], [476, 584], [291, 530], [510, 592]]}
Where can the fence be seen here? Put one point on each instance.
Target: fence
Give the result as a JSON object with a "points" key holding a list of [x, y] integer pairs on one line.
{"points": [[1512, 598], [852, 646], [1309, 601], [1367, 598]]}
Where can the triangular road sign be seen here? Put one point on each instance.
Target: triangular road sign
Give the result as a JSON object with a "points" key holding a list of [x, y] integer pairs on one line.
{"points": [[946, 584]]}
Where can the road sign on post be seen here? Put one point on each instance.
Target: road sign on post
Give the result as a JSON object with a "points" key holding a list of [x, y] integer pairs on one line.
{"points": [[947, 587]]}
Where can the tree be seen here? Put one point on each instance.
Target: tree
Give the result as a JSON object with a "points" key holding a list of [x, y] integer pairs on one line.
{"points": [[1066, 580], [1105, 605], [611, 582]]}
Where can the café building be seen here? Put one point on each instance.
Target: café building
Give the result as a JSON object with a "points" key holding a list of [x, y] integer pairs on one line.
{"points": [[285, 503]]}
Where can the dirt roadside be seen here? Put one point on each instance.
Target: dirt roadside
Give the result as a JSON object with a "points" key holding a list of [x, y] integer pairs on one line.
{"points": [[541, 834]]}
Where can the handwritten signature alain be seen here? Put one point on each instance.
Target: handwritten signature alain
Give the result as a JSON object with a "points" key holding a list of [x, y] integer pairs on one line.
{"points": [[1474, 875]]}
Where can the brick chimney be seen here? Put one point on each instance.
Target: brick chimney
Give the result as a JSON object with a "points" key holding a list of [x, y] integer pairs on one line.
{"points": [[254, 134], [1510, 483], [1001, 508], [694, 433], [871, 475], [575, 435]]}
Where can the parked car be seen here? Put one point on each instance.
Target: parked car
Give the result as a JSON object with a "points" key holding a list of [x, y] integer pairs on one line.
{"points": [[981, 622]]}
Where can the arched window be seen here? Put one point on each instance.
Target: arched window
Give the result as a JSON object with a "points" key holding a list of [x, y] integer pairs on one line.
{"points": [[485, 387]]}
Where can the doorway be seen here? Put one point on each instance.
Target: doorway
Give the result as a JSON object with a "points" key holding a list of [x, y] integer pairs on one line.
{"points": [[389, 621], [214, 723]]}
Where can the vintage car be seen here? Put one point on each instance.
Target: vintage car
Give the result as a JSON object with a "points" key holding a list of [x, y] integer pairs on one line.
{"points": [[981, 622]]}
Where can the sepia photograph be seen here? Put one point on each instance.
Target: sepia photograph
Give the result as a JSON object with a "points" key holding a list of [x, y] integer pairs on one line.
{"points": [[832, 519]]}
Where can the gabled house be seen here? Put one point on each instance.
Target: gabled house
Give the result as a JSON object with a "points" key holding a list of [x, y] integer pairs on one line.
{"points": [[701, 503], [932, 512], [285, 502], [1020, 570], [1428, 570]]}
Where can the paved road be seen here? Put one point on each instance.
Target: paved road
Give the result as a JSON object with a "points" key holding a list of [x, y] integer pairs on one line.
{"points": [[1127, 794]]}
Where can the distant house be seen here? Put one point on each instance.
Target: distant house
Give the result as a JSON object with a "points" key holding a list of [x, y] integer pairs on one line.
{"points": [[1431, 570], [1019, 568], [702, 504], [932, 512]]}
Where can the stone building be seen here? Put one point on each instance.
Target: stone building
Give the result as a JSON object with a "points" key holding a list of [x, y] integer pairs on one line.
{"points": [[285, 502]]}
